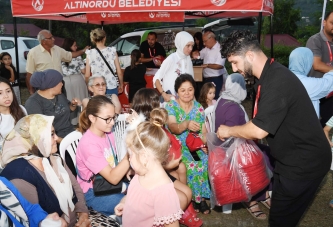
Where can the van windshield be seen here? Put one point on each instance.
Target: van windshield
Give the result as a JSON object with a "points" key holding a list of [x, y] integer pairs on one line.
{"points": [[30, 43]]}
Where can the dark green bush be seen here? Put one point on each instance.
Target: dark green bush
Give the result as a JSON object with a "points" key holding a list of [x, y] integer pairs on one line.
{"points": [[281, 53]]}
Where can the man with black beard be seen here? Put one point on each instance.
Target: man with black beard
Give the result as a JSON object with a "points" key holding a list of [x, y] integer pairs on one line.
{"points": [[321, 45], [152, 51], [283, 114]]}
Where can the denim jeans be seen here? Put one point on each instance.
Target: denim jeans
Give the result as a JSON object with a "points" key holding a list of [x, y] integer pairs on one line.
{"points": [[112, 91], [103, 204]]}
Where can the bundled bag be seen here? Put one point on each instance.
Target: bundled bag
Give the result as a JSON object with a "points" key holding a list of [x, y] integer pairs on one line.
{"points": [[237, 169], [158, 60], [194, 143], [175, 146]]}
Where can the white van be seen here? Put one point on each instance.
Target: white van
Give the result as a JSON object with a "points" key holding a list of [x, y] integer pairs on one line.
{"points": [[7, 44], [128, 42]]}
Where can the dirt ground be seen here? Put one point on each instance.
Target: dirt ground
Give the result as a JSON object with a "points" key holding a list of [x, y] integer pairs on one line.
{"points": [[319, 213]]}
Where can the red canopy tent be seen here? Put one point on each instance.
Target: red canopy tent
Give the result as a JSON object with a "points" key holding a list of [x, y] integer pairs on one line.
{"points": [[203, 8]]}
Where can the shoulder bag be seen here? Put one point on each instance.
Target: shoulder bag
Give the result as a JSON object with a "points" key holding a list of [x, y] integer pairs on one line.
{"points": [[115, 75], [100, 185]]}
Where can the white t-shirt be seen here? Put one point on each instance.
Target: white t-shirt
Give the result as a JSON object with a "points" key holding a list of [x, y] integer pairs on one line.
{"points": [[212, 56], [7, 124]]}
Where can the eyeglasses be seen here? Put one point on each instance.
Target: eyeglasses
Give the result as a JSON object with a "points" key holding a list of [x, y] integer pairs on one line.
{"points": [[99, 85], [204, 41], [52, 37], [108, 120]]}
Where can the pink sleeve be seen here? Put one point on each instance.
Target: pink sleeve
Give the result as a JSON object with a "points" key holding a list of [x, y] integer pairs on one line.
{"points": [[167, 208], [93, 155]]}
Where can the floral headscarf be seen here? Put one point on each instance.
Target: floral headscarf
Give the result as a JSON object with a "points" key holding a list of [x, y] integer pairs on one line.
{"points": [[35, 130]]}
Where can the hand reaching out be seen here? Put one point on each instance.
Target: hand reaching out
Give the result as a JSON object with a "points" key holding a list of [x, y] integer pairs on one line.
{"points": [[119, 209]]}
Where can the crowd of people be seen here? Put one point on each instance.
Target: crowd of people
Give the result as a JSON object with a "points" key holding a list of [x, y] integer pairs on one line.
{"points": [[162, 178]]}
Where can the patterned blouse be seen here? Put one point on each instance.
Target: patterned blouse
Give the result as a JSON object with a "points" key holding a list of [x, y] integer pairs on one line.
{"points": [[98, 66], [74, 67]]}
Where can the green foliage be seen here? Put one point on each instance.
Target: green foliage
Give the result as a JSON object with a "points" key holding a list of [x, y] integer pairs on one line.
{"points": [[304, 33], [201, 22], [281, 53], [23, 32], [285, 18]]}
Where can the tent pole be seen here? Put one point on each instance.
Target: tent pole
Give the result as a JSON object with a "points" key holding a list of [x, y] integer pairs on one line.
{"points": [[16, 49], [50, 26], [323, 15], [259, 26], [17, 76], [271, 28]]}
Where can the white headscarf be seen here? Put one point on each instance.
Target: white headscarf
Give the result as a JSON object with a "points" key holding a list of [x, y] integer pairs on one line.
{"points": [[235, 89], [35, 130], [181, 40]]}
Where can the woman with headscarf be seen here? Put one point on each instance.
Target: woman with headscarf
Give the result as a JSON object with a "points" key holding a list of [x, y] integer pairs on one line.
{"points": [[300, 63], [230, 112], [32, 165], [174, 65], [49, 100]]}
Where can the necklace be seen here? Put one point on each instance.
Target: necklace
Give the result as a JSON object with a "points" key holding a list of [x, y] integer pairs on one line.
{"points": [[53, 101]]}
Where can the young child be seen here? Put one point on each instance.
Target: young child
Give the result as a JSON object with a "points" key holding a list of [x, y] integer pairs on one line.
{"points": [[327, 129], [151, 198], [144, 101], [7, 71], [195, 54], [134, 74], [207, 94], [10, 111]]}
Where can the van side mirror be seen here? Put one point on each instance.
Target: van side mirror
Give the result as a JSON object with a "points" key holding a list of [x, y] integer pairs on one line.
{"points": [[119, 53]]}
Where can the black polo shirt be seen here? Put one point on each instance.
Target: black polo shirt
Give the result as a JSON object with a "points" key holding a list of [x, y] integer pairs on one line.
{"points": [[296, 138], [158, 49]]}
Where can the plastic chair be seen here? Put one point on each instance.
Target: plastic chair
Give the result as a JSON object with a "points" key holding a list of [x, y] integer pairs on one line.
{"points": [[209, 118], [119, 133], [70, 143], [226, 209]]}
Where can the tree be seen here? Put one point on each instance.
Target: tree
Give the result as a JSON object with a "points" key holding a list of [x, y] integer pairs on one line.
{"points": [[285, 18]]}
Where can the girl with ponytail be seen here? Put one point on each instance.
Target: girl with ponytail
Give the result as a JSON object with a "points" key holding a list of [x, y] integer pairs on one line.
{"points": [[151, 197]]}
